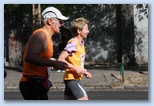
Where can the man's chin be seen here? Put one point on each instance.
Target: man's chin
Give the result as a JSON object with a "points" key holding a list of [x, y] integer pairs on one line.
{"points": [[57, 32]]}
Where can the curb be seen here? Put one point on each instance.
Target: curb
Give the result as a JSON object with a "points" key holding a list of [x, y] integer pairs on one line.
{"points": [[93, 88], [102, 81]]}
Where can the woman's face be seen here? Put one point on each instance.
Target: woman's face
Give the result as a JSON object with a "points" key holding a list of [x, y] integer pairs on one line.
{"points": [[84, 32]]}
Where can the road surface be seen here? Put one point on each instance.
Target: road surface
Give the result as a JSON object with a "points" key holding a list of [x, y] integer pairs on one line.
{"points": [[93, 95]]}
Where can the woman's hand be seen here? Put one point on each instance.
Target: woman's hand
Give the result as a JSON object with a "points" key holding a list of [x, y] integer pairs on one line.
{"points": [[88, 75], [80, 71]]}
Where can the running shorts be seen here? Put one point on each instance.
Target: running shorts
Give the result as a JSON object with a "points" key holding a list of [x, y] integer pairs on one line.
{"points": [[74, 88]]}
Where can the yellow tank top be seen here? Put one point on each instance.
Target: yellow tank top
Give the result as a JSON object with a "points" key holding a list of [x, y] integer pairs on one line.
{"points": [[40, 71], [77, 59]]}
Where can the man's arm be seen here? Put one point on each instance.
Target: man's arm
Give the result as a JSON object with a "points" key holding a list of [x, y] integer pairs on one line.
{"points": [[35, 46], [38, 44]]}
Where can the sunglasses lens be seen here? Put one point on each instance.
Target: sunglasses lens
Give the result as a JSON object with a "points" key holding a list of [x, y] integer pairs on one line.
{"points": [[61, 22]]}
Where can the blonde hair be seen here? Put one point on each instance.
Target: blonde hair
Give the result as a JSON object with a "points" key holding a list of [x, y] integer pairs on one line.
{"points": [[78, 23]]}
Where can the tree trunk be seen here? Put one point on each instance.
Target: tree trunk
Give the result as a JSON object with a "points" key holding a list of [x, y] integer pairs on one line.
{"points": [[36, 16]]}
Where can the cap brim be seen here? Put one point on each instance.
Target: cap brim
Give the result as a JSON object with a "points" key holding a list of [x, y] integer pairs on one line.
{"points": [[63, 18]]}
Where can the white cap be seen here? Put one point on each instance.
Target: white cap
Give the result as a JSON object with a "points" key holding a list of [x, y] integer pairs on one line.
{"points": [[52, 12]]}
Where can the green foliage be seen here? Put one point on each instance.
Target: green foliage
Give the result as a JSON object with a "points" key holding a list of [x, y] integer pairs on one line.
{"points": [[18, 19], [142, 10]]}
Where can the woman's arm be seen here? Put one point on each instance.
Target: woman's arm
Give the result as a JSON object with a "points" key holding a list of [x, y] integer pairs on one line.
{"points": [[64, 54]]}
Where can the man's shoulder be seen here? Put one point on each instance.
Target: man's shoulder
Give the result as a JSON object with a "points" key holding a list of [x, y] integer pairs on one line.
{"points": [[40, 31]]}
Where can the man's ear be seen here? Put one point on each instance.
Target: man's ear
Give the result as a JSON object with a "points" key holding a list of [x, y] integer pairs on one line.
{"points": [[50, 22]]}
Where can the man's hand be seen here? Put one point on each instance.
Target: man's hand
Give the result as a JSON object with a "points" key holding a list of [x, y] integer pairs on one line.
{"points": [[59, 65]]}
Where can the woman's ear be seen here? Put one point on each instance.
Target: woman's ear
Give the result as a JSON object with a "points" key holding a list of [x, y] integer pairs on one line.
{"points": [[78, 31]]}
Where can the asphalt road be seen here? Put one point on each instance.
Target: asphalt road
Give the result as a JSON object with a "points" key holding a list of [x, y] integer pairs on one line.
{"points": [[93, 95]]}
